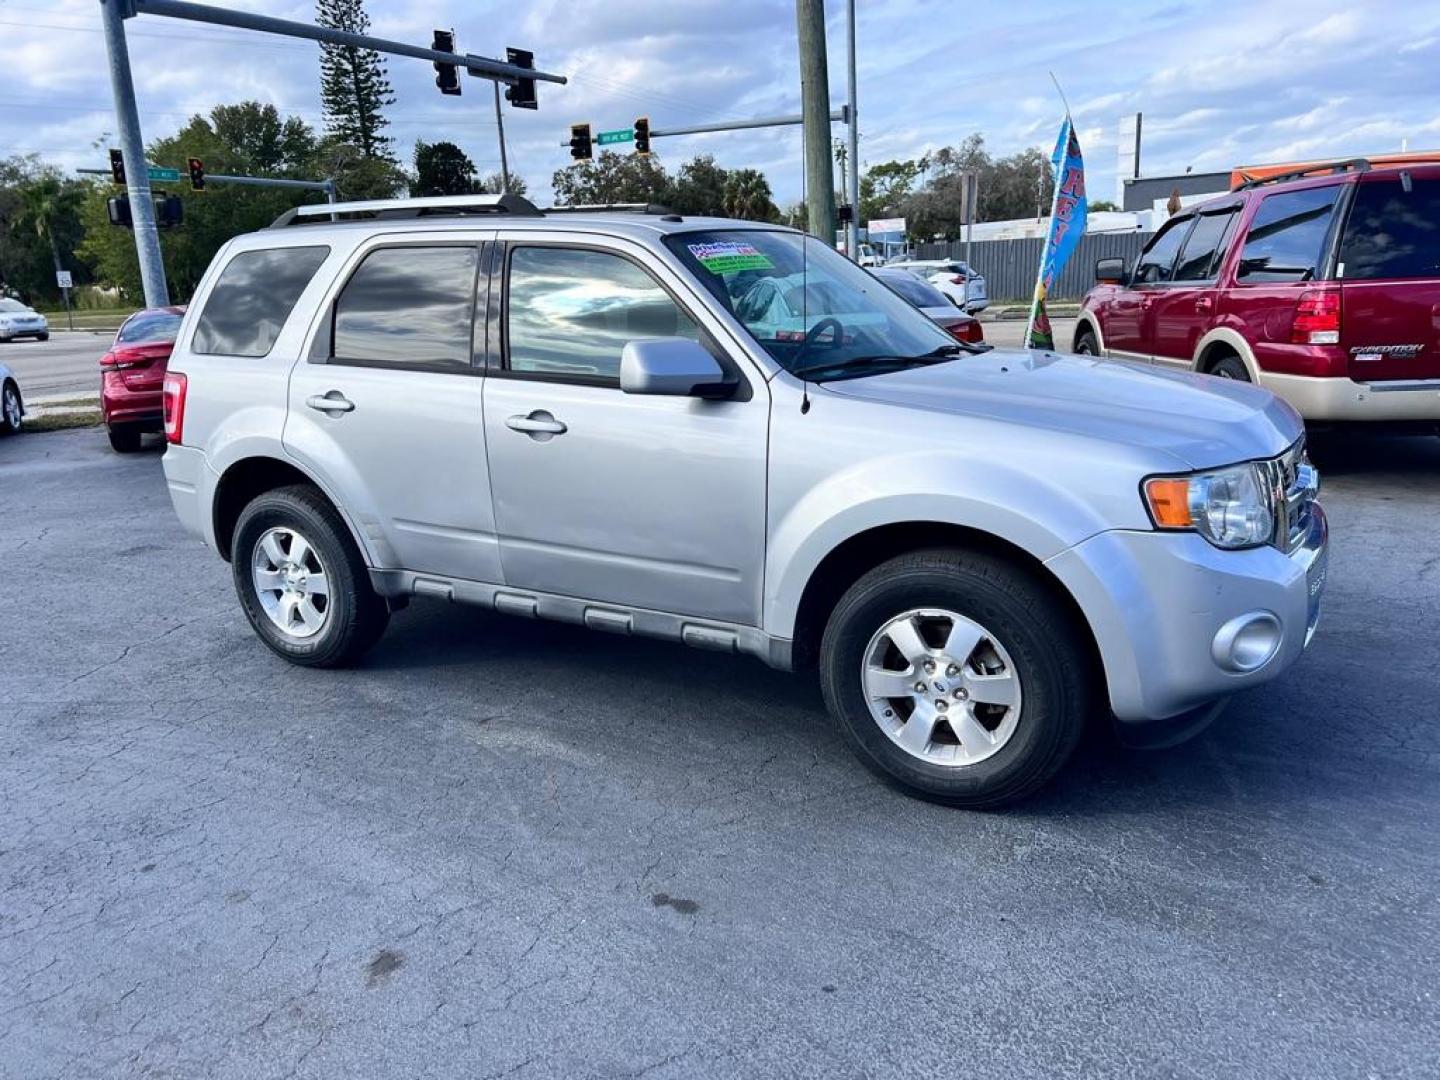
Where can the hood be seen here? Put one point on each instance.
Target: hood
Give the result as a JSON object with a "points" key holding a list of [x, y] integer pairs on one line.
{"points": [[1201, 420]]}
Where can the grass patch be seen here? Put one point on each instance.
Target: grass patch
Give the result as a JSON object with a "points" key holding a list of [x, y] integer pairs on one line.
{"points": [[89, 320], [64, 421]]}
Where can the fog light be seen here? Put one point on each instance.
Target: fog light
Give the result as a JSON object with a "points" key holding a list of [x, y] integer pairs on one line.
{"points": [[1247, 642]]}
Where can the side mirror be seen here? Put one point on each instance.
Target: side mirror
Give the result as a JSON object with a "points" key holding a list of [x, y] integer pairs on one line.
{"points": [[675, 366], [1110, 271]]}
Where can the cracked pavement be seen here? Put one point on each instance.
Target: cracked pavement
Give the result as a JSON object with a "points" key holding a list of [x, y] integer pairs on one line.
{"points": [[502, 848]]}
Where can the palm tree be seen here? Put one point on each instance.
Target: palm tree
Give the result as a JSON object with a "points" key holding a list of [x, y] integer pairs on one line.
{"points": [[44, 202], [747, 195]]}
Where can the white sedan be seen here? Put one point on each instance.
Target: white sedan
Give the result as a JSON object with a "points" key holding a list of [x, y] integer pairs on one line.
{"points": [[953, 278], [17, 320]]}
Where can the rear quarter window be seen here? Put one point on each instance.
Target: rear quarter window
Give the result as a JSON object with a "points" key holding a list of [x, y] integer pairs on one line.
{"points": [[248, 306], [1286, 240], [1393, 230]]}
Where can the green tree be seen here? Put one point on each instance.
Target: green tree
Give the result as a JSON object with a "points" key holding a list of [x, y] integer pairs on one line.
{"points": [[39, 228], [357, 176], [354, 85], [699, 187], [1100, 206], [612, 178], [492, 184], [262, 141], [747, 196], [1011, 187], [442, 168], [885, 187]]}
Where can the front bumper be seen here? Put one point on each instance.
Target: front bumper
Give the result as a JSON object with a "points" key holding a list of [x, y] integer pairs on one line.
{"points": [[1158, 602], [1341, 399]]}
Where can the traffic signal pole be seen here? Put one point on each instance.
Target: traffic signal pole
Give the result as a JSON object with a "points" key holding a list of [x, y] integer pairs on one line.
{"points": [[852, 159], [815, 107], [132, 147]]}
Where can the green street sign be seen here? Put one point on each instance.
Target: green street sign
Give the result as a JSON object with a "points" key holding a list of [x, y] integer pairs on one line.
{"points": [[157, 173], [607, 137]]}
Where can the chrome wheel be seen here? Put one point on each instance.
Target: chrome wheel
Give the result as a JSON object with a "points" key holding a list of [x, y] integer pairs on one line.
{"points": [[290, 583], [942, 687], [11, 408]]}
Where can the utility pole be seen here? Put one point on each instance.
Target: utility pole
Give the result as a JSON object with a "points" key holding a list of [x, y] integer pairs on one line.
{"points": [[500, 124], [815, 108], [853, 239], [132, 148]]}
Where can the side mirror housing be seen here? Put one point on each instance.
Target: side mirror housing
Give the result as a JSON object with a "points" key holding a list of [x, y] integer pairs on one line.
{"points": [[1110, 271], [674, 366]]}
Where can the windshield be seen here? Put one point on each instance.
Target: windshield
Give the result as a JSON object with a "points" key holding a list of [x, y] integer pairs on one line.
{"points": [[12, 305], [808, 306], [151, 326], [919, 292]]}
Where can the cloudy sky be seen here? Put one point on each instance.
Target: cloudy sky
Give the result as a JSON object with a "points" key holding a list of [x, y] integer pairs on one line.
{"points": [[1221, 82]]}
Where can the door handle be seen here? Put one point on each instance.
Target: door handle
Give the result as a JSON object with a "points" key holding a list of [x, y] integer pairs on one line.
{"points": [[332, 401], [538, 425], [1204, 304]]}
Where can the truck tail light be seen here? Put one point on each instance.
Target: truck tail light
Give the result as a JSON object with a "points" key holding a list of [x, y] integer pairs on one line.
{"points": [[968, 331], [1317, 318], [172, 397]]}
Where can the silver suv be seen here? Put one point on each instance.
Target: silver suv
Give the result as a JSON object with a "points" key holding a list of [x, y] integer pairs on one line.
{"points": [[725, 434]]}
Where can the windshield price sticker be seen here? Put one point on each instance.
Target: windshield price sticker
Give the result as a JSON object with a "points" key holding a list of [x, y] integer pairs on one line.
{"points": [[729, 257]]}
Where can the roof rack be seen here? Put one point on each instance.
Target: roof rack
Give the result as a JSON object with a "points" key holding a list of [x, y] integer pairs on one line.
{"points": [[431, 206], [610, 208], [1348, 165]]}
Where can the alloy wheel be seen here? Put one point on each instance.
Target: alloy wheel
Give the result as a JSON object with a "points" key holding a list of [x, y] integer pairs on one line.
{"points": [[290, 583], [942, 687]]}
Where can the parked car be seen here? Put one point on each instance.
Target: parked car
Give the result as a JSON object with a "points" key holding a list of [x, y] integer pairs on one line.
{"points": [[132, 372], [934, 304], [970, 553], [1322, 286], [17, 321], [956, 280], [12, 405]]}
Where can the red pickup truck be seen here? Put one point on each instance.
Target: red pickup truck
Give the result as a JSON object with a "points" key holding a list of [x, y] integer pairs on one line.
{"points": [[1321, 285]]}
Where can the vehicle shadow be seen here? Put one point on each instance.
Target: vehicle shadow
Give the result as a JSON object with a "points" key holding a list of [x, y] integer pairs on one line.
{"points": [[1353, 452]]}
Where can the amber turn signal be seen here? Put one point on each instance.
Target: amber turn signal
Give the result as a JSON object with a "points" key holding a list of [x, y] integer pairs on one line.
{"points": [[1169, 499]]}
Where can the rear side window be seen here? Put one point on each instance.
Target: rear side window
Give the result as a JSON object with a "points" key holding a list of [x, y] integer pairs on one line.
{"points": [[1286, 241], [1200, 259], [572, 312], [252, 299], [1157, 261], [919, 292], [409, 307], [1393, 231]]}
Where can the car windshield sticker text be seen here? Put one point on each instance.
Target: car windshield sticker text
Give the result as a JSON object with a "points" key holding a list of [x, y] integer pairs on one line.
{"points": [[729, 257]]}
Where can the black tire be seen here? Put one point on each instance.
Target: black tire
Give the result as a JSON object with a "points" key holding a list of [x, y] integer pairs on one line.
{"points": [[1085, 343], [42, 337], [11, 409], [1035, 629], [1230, 366], [355, 615], [124, 439]]}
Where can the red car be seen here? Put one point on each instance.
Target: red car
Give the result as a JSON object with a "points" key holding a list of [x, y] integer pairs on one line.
{"points": [[1322, 285], [132, 372]]}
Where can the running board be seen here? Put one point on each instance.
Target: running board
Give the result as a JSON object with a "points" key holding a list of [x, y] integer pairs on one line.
{"points": [[610, 618]]}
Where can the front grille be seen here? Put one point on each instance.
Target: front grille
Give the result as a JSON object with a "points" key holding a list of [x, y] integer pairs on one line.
{"points": [[1294, 483]]}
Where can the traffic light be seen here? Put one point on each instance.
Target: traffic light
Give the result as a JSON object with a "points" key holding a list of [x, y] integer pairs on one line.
{"points": [[169, 210], [642, 135], [118, 207], [197, 173], [447, 76], [844, 213], [522, 94], [580, 142], [117, 167]]}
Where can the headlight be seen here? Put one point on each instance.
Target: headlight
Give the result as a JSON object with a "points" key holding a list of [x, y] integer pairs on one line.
{"points": [[1232, 508]]}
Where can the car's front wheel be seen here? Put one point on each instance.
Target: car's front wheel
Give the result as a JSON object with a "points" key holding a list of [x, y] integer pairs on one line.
{"points": [[957, 676], [1086, 345], [301, 580]]}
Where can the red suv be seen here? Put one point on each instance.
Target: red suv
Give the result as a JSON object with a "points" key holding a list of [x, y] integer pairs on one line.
{"points": [[132, 372], [1321, 285]]}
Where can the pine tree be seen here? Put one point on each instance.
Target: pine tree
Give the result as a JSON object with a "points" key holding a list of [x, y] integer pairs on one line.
{"points": [[354, 85]]}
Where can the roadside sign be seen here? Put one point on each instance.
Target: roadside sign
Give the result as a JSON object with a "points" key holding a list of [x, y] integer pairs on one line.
{"points": [[607, 137], [158, 173], [63, 280], [886, 226]]}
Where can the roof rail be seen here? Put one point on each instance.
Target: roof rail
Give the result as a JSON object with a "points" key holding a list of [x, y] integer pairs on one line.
{"points": [[430, 206], [1348, 165], [610, 208]]}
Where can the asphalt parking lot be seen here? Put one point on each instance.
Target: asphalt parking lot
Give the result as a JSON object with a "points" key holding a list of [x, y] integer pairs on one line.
{"points": [[502, 848]]}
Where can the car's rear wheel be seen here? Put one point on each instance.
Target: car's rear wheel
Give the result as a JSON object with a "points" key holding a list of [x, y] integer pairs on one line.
{"points": [[11, 414], [124, 438], [1086, 345], [301, 580], [43, 337], [957, 676], [1230, 367]]}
